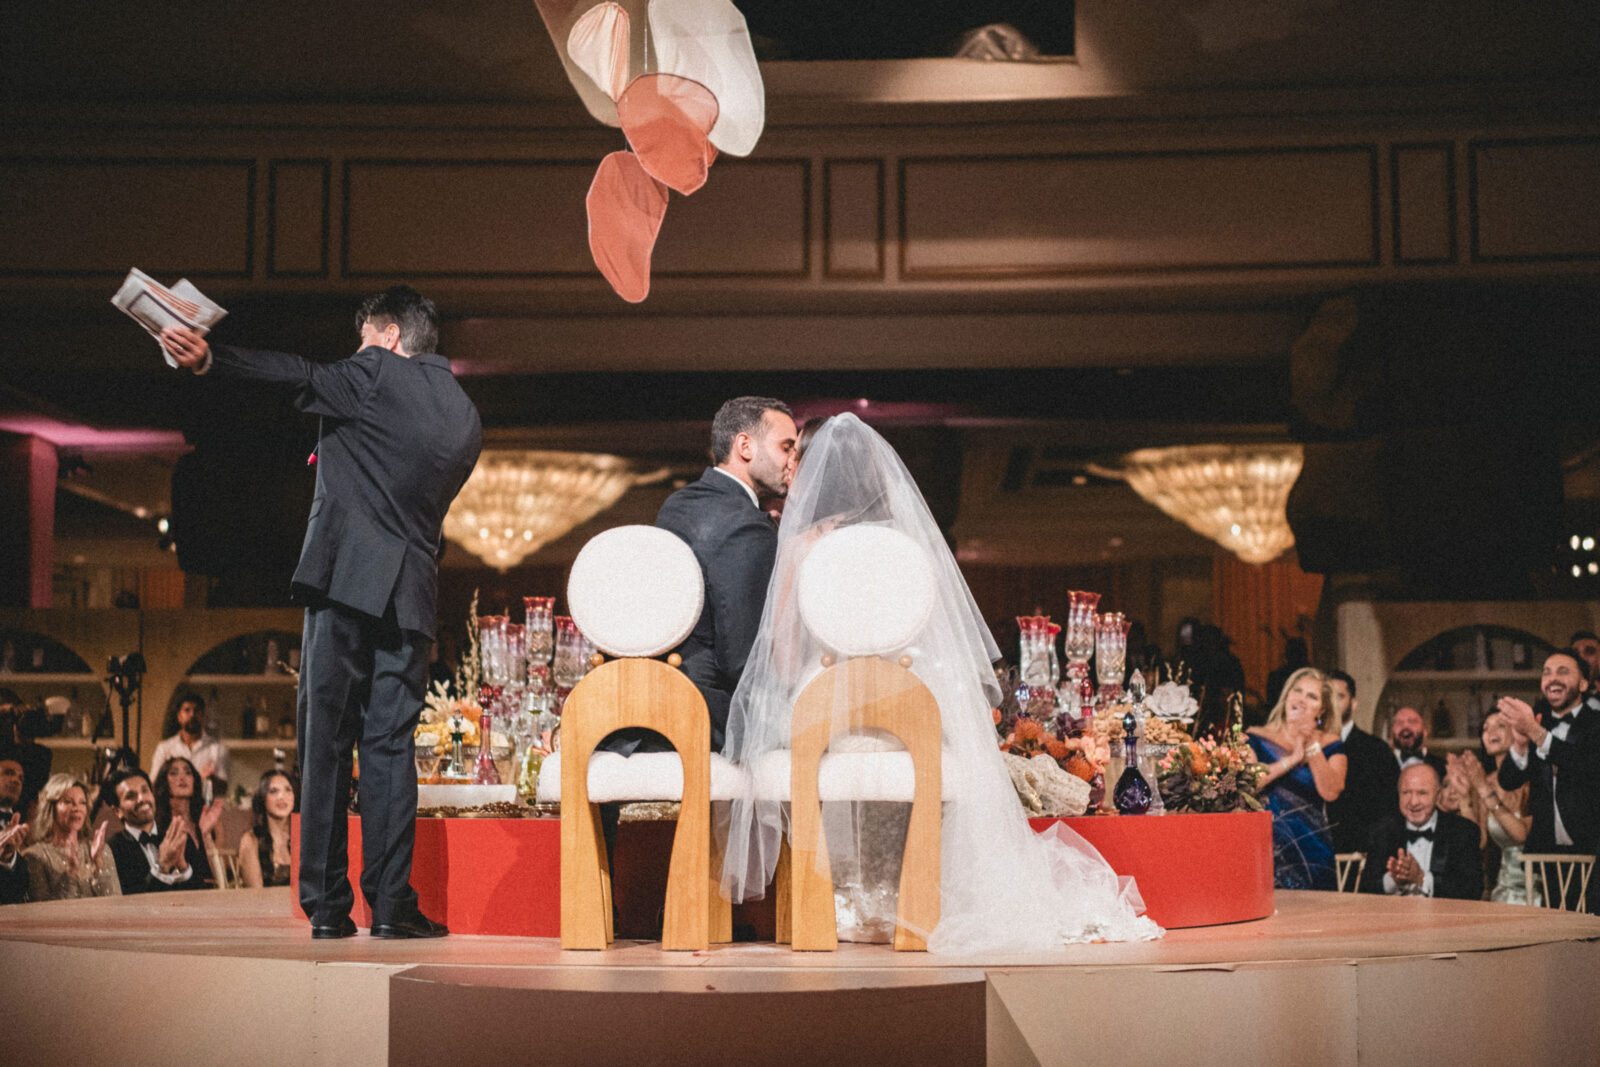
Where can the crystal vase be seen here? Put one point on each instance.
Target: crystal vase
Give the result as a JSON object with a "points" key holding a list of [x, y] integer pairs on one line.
{"points": [[1111, 654]]}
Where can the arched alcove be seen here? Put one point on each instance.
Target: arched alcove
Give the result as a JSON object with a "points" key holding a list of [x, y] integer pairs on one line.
{"points": [[1455, 677]]}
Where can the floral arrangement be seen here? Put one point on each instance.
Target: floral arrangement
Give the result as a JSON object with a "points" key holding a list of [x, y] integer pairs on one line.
{"points": [[452, 707], [1211, 776], [1076, 755]]}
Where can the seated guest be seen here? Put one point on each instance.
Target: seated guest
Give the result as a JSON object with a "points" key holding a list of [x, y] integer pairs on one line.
{"points": [[1556, 753], [1372, 777], [13, 832], [148, 862], [178, 801], [1305, 769], [1409, 738], [264, 848], [1420, 850], [205, 753], [34, 757], [62, 862], [1587, 645], [1501, 815]]}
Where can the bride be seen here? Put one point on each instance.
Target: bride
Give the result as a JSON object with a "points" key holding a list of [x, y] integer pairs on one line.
{"points": [[1002, 887]]}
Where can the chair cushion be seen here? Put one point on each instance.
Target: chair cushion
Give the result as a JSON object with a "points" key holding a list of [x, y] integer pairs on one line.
{"points": [[855, 776], [641, 776], [866, 590], [636, 591]]}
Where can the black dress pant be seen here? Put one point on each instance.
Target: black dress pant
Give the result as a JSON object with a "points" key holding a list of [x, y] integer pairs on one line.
{"points": [[362, 683]]}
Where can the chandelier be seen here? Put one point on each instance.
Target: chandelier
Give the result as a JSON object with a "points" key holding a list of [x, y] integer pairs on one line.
{"points": [[517, 501], [1233, 494]]}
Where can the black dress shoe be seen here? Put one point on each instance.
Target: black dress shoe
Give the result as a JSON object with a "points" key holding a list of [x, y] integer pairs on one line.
{"points": [[413, 925], [345, 927]]}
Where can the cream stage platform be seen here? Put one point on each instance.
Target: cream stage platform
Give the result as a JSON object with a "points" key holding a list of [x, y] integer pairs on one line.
{"points": [[222, 977]]}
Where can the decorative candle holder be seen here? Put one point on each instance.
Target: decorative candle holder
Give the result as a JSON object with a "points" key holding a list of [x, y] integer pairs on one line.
{"points": [[1078, 645], [1111, 653]]}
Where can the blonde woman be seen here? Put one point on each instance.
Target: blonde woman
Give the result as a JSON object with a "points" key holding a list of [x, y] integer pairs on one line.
{"points": [[1305, 769], [62, 862]]}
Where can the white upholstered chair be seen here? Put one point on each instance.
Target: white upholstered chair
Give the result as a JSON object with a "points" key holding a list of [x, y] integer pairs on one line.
{"points": [[863, 592], [636, 591]]}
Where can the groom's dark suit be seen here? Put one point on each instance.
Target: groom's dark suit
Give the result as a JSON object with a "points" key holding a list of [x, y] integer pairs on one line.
{"points": [[398, 439], [736, 545]]}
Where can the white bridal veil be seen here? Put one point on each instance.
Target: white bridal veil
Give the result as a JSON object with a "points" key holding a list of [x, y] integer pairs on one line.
{"points": [[1002, 885]]}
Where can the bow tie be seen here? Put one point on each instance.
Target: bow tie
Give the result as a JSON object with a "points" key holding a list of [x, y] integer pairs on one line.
{"points": [[1418, 835], [147, 839]]}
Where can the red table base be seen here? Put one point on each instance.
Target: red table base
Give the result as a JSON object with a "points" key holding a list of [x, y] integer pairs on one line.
{"points": [[503, 876]]}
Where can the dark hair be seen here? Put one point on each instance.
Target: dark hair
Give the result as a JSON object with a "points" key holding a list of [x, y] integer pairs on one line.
{"points": [[740, 415], [187, 696], [9, 696], [408, 309], [1342, 676], [164, 795], [121, 776], [259, 823], [1576, 657], [1582, 635], [808, 433]]}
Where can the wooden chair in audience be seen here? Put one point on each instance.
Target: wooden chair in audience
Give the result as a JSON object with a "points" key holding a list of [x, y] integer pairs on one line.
{"points": [[1348, 868], [884, 696], [225, 869], [614, 696], [1569, 870]]}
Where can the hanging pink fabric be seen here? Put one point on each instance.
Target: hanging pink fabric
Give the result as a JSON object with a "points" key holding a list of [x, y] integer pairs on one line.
{"points": [[668, 120], [626, 206], [598, 44]]}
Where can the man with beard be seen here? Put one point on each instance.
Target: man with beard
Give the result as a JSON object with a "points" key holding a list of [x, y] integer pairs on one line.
{"points": [[148, 862], [1372, 778], [207, 753], [13, 831], [721, 518], [1557, 751], [1587, 645], [1409, 737]]}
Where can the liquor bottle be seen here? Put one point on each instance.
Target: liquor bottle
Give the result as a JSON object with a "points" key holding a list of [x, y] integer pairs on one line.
{"points": [[247, 720], [484, 772], [1132, 795]]}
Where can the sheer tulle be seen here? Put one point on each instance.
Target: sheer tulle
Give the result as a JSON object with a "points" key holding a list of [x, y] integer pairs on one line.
{"points": [[1002, 885]]}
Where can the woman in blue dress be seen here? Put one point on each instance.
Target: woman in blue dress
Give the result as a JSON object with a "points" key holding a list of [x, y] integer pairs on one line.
{"points": [[1305, 770]]}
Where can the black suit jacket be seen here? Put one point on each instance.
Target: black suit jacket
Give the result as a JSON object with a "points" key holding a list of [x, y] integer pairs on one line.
{"points": [[1456, 865], [1371, 787], [133, 869], [14, 883], [1574, 764], [397, 441], [736, 545]]}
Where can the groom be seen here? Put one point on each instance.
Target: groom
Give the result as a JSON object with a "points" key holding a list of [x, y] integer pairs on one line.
{"points": [[720, 517]]}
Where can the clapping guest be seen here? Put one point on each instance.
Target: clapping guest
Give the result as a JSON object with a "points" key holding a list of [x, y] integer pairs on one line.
{"points": [[62, 862], [1501, 814], [1408, 735], [1420, 850], [1305, 768], [178, 801], [1556, 753], [13, 832], [264, 848], [147, 861]]}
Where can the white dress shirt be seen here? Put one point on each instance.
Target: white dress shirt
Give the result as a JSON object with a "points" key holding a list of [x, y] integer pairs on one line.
{"points": [[209, 756], [152, 854], [1422, 851], [1559, 730]]}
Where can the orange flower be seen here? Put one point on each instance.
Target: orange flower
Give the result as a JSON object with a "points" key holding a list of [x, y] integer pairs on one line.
{"points": [[1199, 761], [996, 713], [1055, 748], [1077, 764]]}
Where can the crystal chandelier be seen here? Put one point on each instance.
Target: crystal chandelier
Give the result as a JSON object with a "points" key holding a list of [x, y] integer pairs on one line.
{"points": [[517, 501], [1233, 494]]}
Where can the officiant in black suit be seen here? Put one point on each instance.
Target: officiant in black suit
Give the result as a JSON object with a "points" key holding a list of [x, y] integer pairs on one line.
{"points": [[1557, 750], [1420, 850], [398, 439]]}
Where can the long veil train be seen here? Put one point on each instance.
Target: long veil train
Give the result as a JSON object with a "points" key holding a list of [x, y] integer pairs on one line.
{"points": [[1003, 887]]}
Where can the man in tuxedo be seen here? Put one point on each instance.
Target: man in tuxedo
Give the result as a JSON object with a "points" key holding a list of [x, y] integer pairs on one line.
{"points": [[720, 517], [147, 862], [1420, 850], [1587, 645], [1372, 777], [398, 439], [13, 866], [1409, 738], [1557, 751]]}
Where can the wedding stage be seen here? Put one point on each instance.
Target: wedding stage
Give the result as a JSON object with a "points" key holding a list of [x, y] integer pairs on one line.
{"points": [[232, 976]]}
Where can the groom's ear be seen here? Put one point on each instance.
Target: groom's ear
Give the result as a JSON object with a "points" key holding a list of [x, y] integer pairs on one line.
{"points": [[744, 446]]}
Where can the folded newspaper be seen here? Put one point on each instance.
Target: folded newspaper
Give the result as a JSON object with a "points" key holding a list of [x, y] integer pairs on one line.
{"points": [[155, 307]]}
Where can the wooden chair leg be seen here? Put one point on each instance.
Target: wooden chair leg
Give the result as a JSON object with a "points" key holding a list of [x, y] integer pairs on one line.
{"points": [[813, 922], [917, 910], [585, 881], [721, 911], [781, 900], [686, 924]]}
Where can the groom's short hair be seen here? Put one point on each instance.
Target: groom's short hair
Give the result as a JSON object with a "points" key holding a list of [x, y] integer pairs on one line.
{"points": [[740, 415]]}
